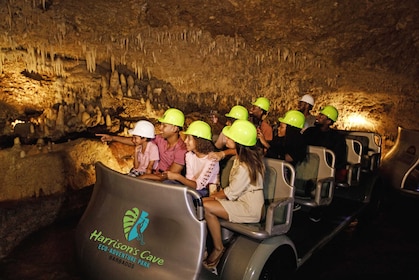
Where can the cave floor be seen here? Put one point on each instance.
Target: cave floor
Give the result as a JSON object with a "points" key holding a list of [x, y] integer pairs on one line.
{"points": [[386, 246]]}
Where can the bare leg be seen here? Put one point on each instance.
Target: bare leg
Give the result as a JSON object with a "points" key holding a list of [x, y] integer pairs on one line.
{"points": [[213, 211]]}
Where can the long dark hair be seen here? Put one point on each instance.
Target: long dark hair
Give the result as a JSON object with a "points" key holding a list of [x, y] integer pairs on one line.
{"points": [[252, 157]]}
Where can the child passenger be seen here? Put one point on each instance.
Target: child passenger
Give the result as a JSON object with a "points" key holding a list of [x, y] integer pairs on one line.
{"points": [[242, 200], [146, 152], [200, 169]]}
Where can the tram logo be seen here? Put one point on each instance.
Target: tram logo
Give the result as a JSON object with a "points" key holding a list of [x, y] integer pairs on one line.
{"points": [[135, 223]]}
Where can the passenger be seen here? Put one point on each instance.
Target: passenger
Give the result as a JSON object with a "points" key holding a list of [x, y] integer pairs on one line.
{"points": [[171, 147], [258, 113], [237, 112], [242, 200], [289, 143], [146, 153], [323, 135], [200, 170], [305, 105]]}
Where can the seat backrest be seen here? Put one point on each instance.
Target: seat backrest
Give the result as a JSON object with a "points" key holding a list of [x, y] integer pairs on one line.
{"points": [[279, 199], [354, 151], [315, 177], [326, 161], [144, 224], [278, 184], [372, 140]]}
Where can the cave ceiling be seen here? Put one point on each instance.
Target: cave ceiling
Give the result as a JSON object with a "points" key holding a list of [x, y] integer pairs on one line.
{"points": [[217, 51]]}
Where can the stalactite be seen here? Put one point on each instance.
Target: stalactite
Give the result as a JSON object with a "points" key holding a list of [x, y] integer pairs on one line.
{"points": [[285, 54], [91, 60], [58, 67], [9, 18], [2, 59]]}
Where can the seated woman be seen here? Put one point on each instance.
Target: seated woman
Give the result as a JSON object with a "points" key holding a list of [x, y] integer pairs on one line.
{"points": [[289, 144], [200, 169], [242, 200]]}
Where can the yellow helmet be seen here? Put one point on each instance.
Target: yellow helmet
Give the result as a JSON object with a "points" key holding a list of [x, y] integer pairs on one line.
{"points": [[238, 112], [263, 103], [242, 132], [199, 129], [294, 118], [173, 116], [330, 112]]}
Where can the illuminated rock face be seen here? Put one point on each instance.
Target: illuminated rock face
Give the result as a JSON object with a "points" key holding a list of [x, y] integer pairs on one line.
{"points": [[70, 66]]}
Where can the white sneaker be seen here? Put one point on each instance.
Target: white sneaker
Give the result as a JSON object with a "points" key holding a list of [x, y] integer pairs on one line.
{"points": [[296, 207]]}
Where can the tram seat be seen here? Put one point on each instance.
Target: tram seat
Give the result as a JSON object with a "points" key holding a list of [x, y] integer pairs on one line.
{"points": [[315, 178], [279, 201], [400, 166], [371, 148], [354, 158]]}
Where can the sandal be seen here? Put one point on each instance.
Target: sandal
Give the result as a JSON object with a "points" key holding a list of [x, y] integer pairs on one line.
{"points": [[216, 261]]}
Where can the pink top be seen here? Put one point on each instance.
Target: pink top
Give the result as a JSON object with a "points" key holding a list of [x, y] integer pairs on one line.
{"points": [[151, 153], [201, 170], [169, 155]]}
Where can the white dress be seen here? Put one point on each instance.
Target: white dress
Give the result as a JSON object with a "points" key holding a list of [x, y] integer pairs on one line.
{"points": [[245, 201]]}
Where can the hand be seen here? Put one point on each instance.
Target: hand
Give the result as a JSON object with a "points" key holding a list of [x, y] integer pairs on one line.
{"points": [[168, 175], [217, 156], [104, 137], [262, 139]]}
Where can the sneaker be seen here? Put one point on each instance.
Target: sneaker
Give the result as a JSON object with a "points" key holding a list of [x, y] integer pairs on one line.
{"points": [[296, 207], [315, 219], [134, 173]]}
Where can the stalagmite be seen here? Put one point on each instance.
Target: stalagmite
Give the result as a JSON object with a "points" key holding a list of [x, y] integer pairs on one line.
{"points": [[108, 121], [85, 118], [123, 82], [60, 117], [114, 81], [119, 93], [130, 81]]}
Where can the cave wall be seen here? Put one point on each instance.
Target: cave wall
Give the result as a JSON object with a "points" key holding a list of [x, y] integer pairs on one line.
{"points": [[70, 65], [74, 66]]}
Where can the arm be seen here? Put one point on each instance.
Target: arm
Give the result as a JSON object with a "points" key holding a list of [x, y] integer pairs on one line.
{"points": [[181, 179], [174, 168], [221, 154], [136, 163], [149, 168], [262, 139], [110, 138]]}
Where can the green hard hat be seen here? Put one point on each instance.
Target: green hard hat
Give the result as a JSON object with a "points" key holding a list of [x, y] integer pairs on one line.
{"points": [[242, 132], [173, 116], [263, 103], [330, 112], [199, 129], [238, 112], [293, 118]]}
